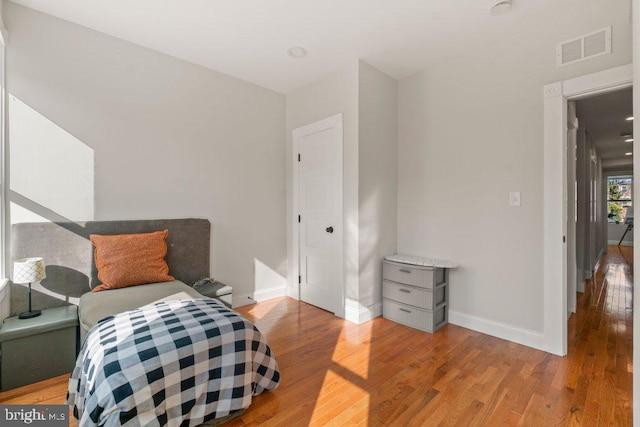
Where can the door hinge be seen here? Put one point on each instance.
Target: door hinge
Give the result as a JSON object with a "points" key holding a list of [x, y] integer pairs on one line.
{"points": [[298, 218], [299, 279], [298, 156], [564, 239]]}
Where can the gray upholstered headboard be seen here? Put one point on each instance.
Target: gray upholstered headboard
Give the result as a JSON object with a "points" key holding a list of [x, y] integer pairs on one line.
{"points": [[68, 255]]}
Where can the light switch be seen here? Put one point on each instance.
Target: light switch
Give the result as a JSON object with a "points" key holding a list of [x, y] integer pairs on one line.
{"points": [[514, 198]]}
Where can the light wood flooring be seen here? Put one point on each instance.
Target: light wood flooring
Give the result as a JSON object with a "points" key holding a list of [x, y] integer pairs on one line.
{"points": [[383, 373]]}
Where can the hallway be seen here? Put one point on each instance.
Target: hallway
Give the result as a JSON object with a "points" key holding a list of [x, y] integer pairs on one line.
{"points": [[598, 378]]}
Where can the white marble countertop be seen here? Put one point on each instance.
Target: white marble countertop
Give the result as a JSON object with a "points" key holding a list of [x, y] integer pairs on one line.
{"points": [[422, 261]]}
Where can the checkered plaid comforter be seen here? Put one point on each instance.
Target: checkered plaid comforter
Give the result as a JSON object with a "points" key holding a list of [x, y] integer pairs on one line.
{"points": [[176, 363]]}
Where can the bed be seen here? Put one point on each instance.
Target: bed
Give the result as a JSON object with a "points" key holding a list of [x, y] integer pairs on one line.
{"points": [[152, 353], [177, 362]]}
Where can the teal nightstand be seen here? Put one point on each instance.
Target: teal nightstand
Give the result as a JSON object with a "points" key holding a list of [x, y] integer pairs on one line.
{"points": [[38, 348]]}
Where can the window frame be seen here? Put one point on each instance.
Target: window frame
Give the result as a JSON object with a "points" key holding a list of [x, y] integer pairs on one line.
{"points": [[629, 201]]}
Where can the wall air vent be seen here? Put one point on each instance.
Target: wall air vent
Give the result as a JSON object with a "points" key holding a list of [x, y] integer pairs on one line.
{"points": [[584, 47]]}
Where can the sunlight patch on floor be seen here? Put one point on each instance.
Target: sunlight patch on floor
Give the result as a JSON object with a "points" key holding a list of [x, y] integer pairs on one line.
{"points": [[355, 349], [339, 397], [274, 309]]}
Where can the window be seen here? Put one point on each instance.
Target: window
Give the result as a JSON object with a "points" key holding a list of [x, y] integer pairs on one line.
{"points": [[619, 190], [4, 241]]}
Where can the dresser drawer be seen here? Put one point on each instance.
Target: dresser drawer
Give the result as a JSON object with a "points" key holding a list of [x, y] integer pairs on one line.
{"points": [[418, 318], [422, 277], [418, 297]]}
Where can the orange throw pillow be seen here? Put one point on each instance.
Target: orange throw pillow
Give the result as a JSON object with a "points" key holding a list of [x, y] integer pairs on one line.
{"points": [[130, 259]]}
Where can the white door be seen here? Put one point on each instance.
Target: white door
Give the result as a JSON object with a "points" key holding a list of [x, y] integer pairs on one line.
{"points": [[319, 183]]}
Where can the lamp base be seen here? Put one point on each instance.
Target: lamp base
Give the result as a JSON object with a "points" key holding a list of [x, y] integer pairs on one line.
{"points": [[29, 314]]}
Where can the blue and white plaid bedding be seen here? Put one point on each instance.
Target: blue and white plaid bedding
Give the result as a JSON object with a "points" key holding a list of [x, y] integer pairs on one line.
{"points": [[173, 363]]}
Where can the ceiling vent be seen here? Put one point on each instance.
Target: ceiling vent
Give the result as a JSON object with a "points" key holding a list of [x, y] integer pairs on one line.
{"points": [[584, 47]]}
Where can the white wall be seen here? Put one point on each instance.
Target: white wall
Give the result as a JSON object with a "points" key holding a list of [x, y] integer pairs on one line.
{"points": [[582, 223], [378, 169], [335, 93], [599, 222], [171, 139], [51, 170], [591, 227], [590, 206], [368, 100], [615, 232], [471, 131]]}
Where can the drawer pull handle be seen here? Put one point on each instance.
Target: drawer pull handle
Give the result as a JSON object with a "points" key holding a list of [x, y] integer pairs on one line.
{"points": [[406, 291], [404, 270], [405, 310]]}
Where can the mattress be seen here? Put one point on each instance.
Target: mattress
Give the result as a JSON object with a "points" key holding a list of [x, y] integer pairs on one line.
{"points": [[95, 306]]}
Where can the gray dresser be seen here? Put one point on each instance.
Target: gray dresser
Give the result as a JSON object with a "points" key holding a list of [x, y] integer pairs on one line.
{"points": [[415, 295]]}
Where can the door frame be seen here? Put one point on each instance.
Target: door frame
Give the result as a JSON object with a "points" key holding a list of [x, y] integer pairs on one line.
{"points": [[556, 96], [572, 190], [338, 260]]}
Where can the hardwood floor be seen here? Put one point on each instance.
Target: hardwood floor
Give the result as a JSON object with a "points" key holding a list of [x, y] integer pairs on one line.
{"points": [[383, 373]]}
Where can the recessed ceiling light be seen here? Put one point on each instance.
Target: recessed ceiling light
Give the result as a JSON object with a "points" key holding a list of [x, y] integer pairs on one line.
{"points": [[628, 154], [297, 52], [628, 140], [498, 7], [629, 118]]}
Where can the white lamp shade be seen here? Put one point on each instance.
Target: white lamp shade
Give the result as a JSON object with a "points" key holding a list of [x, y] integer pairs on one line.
{"points": [[28, 270]]}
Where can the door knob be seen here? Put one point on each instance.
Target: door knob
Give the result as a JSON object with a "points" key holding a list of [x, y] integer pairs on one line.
{"points": [[329, 230]]}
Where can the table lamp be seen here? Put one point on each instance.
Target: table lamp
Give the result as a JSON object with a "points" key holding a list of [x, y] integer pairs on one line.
{"points": [[28, 270]]}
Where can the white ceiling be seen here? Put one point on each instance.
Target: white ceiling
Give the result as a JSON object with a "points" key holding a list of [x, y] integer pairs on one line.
{"points": [[604, 118], [249, 39]]}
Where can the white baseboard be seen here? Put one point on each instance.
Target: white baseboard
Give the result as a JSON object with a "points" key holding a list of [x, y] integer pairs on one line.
{"points": [[624, 242], [580, 280], [242, 300], [259, 296], [358, 314], [293, 292], [271, 293], [521, 336]]}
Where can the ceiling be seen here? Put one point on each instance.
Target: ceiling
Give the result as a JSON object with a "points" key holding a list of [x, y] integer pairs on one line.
{"points": [[249, 39], [604, 118]]}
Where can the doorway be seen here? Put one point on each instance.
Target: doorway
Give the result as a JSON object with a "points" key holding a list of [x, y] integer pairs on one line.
{"points": [[318, 213], [600, 213], [556, 98]]}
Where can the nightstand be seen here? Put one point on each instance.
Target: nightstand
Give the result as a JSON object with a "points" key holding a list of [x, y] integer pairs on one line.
{"points": [[38, 348]]}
